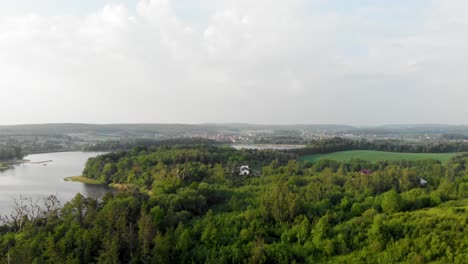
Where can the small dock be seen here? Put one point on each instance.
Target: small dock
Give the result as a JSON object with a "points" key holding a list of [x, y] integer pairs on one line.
{"points": [[38, 162]]}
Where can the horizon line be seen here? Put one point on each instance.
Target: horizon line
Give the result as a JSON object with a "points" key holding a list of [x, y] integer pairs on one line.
{"points": [[232, 123]]}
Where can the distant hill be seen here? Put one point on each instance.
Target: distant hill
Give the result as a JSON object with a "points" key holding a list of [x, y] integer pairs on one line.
{"points": [[172, 129], [175, 130]]}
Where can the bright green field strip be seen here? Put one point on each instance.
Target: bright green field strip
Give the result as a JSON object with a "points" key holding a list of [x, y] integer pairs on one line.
{"points": [[374, 156], [83, 179]]}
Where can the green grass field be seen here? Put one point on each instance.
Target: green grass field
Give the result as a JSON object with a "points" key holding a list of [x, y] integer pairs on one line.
{"points": [[374, 156]]}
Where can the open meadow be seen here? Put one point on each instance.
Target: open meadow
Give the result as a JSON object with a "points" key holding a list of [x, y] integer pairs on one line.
{"points": [[374, 156]]}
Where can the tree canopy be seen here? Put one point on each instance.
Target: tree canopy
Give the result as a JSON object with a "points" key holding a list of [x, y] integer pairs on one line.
{"points": [[188, 204]]}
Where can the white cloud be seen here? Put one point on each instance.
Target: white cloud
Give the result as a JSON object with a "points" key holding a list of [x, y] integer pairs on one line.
{"points": [[253, 61]]}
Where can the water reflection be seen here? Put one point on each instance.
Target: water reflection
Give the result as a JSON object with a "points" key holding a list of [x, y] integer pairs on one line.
{"points": [[39, 180]]}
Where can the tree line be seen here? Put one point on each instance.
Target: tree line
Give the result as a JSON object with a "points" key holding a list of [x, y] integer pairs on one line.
{"points": [[129, 144], [342, 144], [10, 152]]}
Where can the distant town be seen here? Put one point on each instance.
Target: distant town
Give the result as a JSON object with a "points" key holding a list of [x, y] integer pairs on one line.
{"points": [[68, 137]]}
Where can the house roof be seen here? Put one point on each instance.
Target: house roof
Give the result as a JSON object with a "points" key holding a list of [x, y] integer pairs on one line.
{"points": [[422, 181]]}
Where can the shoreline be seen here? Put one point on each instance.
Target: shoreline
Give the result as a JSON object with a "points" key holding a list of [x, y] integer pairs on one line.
{"points": [[9, 164], [83, 179], [36, 162]]}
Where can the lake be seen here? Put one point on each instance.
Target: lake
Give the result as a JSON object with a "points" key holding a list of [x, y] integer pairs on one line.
{"points": [[41, 180], [268, 146]]}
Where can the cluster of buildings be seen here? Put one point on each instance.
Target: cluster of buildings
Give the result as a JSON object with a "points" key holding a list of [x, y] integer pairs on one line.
{"points": [[221, 137]]}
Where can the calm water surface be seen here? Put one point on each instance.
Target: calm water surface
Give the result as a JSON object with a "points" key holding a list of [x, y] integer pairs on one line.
{"points": [[38, 180], [267, 146]]}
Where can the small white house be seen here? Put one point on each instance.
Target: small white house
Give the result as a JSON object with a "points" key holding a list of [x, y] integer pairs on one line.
{"points": [[422, 181], [244, 170]]}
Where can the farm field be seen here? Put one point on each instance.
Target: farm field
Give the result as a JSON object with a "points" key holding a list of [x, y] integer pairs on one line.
{"points": [[374, 156]]}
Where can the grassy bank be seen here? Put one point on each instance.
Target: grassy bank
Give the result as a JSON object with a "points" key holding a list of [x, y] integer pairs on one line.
{"points": [[8, 164], [86, 180], [83, 179], [374, 156]]}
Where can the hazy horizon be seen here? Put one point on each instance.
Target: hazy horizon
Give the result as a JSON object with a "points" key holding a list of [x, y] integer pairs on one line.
{"points": [[238, 123], [362, 63]]}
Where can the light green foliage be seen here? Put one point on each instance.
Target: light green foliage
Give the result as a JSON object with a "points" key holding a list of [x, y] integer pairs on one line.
{"points": [[391, 202], [281, 203]]}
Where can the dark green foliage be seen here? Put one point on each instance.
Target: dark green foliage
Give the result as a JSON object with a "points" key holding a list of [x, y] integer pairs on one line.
{"points": [[10, 152], [390, 145], [128, 144], [187, 205], [142, 165]]}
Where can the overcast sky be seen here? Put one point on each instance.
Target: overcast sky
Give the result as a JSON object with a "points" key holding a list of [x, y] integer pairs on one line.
{"points": [[361, 62]]}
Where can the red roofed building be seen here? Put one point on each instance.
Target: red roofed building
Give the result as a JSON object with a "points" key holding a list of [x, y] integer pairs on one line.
{"points": [[366, 172]]}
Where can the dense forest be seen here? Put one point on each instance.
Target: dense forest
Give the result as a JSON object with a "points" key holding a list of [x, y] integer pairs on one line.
{"points": [[188, 204], [128, 144], [10, 152], [193, 163], [40, 143]]}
